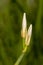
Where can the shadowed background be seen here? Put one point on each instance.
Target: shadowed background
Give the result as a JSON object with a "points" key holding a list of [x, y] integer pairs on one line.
{"points": [[11, 14]]}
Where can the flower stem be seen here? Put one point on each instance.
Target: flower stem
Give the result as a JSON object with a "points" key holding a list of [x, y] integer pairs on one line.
{"points": [[19, 59], [21, 56]]}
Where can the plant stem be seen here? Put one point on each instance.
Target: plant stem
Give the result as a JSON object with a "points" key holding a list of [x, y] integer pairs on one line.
{"points": [[19, 59], [38, 20], [23, 53], [21, 56], [23, 43]]}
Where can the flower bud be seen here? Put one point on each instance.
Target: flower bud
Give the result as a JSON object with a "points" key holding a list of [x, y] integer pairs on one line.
{"points": [[23, 31], [28, 36]]}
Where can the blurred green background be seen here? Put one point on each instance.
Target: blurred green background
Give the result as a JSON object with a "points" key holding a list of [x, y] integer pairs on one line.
{"points": [[11, 14]]}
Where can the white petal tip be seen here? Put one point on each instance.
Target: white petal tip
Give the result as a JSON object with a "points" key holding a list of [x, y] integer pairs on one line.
{"points": [[24, 21], [30, 30], [24, 14], [30, 26]]}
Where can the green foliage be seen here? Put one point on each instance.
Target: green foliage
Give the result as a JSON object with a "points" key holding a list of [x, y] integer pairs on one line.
{"points": [[11, 12]]}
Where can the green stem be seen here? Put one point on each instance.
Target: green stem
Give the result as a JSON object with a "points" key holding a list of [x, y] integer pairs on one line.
{"points": [[23, 43], [19, 59], [23, 53], [21, 56], [38, 20]]}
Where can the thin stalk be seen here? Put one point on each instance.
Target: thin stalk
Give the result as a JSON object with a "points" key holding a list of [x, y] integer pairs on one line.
{"points": [[19, 59], [38, 20], [21, 56], [23, 43]]}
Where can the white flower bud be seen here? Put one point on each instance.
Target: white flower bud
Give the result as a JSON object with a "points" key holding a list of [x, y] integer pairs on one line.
{"points": [[23, 31], [24, 22], [28, 36]]}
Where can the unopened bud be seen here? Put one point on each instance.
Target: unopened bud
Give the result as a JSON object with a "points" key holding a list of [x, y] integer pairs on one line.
{"points": [[28, 36], [23, 31]]}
